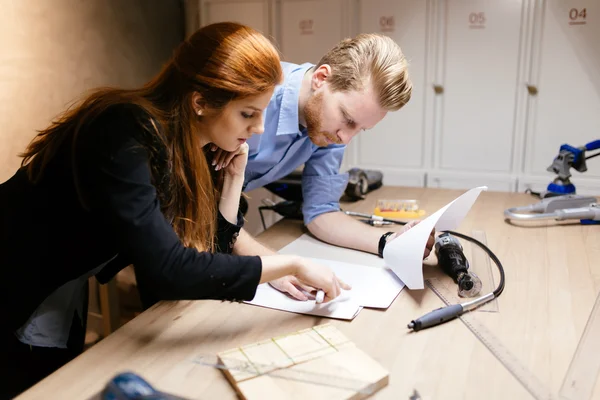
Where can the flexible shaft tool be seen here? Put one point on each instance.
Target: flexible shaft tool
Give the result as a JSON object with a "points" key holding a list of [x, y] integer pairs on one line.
{"points": [[454, 263]]}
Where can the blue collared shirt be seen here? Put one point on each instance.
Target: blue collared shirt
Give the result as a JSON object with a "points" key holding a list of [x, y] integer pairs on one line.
{"points": [[283, 147]]}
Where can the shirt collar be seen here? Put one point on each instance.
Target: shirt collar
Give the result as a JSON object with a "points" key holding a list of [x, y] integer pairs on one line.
{"points": [[288, 113]]}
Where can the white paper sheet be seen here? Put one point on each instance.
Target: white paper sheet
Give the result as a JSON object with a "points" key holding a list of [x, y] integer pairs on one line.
{"points": [[308, 246], [342, 307], [374, 287], [404, 255]]}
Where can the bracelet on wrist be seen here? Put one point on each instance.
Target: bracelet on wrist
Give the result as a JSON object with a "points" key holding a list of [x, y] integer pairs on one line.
{"points": [[382, 243]]}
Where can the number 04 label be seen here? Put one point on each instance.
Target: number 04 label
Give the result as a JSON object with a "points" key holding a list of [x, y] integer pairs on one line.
{"points": [[577, 16]]}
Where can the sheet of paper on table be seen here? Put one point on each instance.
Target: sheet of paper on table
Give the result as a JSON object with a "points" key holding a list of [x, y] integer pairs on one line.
{"points": [[375, 282], [362, 278]]}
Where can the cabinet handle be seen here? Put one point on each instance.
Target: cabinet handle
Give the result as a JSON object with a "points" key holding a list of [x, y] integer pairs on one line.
{"points": [[438, 89], [533, 90]]}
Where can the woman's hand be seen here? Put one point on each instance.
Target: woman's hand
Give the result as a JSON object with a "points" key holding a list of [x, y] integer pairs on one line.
{"points": [[320, 277], [287, 273], [291, 285], [234, 163]]}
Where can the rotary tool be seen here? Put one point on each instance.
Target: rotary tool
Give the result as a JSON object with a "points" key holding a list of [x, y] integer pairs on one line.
{"points": [[453, 262]]}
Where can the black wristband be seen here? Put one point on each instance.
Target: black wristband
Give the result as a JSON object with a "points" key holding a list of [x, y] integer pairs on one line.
{"points": [[382, 242]]}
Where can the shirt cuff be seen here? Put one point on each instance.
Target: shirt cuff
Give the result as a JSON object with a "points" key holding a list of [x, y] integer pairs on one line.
{"points": [[245, 284], [321, 194], [227, 233]]}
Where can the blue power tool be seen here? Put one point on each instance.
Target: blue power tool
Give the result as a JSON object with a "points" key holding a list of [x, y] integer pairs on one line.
{"points": [[130, 386], [559, 201], [568, 157]]}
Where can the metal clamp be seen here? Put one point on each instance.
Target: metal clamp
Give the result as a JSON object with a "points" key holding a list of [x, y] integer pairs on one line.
{"points": [[558, 207]]}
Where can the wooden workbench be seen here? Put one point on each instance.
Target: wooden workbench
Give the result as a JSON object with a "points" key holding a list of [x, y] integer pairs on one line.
{"points": [[552, 279]]}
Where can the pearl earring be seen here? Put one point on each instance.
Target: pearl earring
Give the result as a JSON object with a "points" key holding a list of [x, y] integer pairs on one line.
{"points": [[199, 112]]}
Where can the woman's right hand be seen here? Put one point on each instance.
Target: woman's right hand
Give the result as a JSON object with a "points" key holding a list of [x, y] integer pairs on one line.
{"points": [[320, 277], [301, 272], [234, 163]]}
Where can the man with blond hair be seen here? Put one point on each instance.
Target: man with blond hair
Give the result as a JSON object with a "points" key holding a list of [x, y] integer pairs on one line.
{"points": [[310, 119]]}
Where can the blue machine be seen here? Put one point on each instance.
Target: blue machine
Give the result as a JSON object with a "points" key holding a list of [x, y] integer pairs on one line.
{"points": [[559, 201], [568, 157], [130, 386]]}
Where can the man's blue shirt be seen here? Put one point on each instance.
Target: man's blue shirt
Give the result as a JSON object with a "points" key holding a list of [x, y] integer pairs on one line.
{"points": [[283, 147]]}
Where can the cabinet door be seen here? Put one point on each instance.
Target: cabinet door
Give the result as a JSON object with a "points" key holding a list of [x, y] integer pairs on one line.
{"points": [[254, 13], [397, 141], [309, 28], [479, 56], [566, 108]]}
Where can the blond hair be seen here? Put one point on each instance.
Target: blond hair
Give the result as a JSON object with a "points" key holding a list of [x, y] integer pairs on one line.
{"points": [[370, 57]]}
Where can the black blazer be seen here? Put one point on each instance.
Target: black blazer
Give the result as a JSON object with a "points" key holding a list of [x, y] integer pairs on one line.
{"points": [[48, 238]]}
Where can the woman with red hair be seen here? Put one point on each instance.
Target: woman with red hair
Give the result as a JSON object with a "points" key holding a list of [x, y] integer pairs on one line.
{"points": [[150, 177]]}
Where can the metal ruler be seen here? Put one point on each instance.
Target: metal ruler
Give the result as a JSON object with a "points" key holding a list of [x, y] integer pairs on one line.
{"points": [[284, 357], [275, 371], [580, 380], [581, 377], [495, 346]]}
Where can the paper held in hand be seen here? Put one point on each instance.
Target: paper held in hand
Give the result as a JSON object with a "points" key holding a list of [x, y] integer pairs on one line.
{"points": [[404, 255]]}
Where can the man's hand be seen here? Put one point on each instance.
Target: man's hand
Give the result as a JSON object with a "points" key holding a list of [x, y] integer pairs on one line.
{"points": [[292, 286], [430, 240]]}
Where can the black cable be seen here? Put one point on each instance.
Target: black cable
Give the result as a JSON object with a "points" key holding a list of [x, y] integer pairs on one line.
{"points": [[500, 288], [260, 210], [531, 192], [593, 155]]}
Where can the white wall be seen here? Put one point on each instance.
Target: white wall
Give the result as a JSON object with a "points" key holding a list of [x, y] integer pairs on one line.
{"points": [[482, 126], [54, 51]]}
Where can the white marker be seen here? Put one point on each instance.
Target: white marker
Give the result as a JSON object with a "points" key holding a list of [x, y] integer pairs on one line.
{"points": [[320, 296]]}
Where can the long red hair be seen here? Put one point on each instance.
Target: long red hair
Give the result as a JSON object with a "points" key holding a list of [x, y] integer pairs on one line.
{"points": [[223, 62]]}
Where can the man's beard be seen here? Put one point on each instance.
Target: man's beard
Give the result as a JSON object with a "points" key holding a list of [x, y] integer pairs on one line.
{"points": [[312, 114]]}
